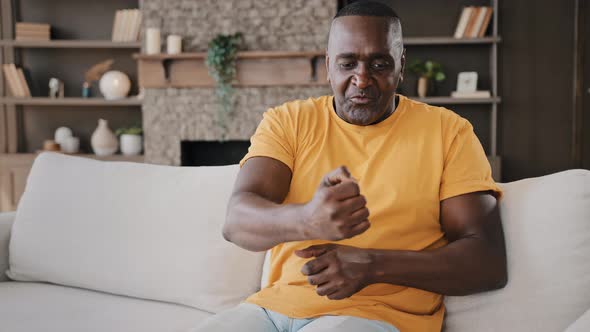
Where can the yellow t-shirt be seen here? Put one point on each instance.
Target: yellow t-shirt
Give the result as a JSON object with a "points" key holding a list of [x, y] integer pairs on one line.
{"points": [[405, 166]]}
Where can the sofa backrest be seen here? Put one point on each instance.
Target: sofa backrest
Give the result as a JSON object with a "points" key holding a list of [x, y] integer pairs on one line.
{"points": [[547, 228], [133, 229], [154, 232]]}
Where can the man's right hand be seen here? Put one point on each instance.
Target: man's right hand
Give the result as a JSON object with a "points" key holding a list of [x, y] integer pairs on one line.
{"points": [[337, 210]]}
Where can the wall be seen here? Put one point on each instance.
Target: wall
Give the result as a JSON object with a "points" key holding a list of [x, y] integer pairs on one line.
{"points": [[536, 85], [171, 115]]}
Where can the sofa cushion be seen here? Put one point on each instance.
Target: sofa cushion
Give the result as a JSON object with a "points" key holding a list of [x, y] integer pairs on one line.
{"points": [[27, 307], [6, 221], [133, 229], [547, 228], [581, 324]]}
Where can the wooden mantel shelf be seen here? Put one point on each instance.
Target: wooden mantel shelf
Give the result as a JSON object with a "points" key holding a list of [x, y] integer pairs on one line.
{"points": [[254, 68], [241, 55]]}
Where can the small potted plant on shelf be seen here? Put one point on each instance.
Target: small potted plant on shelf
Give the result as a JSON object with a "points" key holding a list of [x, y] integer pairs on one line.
{"points": [[428, 72], [130, 140]]}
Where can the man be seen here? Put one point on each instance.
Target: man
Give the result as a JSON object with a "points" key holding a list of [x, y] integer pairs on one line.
{"points": [[374, 205]]}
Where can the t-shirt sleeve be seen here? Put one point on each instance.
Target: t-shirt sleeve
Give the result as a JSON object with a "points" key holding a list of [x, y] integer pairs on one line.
{"points": [[274, 138], [466, 167]]}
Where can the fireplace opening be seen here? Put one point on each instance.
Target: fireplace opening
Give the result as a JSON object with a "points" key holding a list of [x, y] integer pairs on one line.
{"points": [[212, 153]]}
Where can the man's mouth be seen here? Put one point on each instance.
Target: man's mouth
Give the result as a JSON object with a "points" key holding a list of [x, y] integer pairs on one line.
{"points": [[361, 100]]}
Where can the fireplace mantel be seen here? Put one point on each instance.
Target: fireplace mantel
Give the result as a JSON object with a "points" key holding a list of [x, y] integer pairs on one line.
{"points": [[254, 69]]}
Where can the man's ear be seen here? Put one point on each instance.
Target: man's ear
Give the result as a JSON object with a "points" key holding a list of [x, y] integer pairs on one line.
{"points": [[403, 64], [327, 67]]}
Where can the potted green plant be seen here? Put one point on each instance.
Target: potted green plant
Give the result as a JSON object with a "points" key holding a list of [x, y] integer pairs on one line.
{"points": [[130, 140], [428, 72], [221, 63]]}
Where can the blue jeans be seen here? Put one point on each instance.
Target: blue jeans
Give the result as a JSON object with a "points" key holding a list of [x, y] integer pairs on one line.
{"points": [[249, 317]]}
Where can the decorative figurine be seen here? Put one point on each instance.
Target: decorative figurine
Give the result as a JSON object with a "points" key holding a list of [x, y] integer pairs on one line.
{"points": [[56, 88], [94, 74]]}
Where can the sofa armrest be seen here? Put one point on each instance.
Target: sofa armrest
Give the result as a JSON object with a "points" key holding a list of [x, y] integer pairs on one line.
{"points": [[582, 324], [6, 220]]}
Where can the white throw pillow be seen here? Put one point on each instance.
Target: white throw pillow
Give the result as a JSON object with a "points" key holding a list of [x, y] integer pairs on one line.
{"points": [[547, 228], [133, 229]]}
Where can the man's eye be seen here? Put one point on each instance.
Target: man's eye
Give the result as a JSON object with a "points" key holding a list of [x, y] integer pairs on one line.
{"points": [[346, 65], [380, 65]]}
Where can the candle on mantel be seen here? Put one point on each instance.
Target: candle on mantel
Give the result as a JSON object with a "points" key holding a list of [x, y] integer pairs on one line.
{"points": [[152, 43], [174, 44]]}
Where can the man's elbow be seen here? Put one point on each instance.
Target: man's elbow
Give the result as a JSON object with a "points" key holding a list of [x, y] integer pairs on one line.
{"points": [[500, 281], [228, 230], [229, 227], [498, 276]]}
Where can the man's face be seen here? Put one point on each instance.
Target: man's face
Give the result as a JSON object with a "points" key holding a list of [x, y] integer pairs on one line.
{"points": [[364, 68]]}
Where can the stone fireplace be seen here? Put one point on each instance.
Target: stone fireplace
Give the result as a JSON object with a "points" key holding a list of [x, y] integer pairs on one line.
{"points": [[173, 117]]}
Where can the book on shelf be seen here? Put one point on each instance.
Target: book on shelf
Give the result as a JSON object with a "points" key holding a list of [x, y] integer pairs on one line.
{"points": [[473, 22], [463, 20], [486, 22], [116, 24], [32, 31], [473, 94], [23, 82], [126, 25], [15, 79]]}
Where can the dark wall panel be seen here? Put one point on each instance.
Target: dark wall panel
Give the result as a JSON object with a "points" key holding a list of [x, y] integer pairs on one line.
{"points": [[585, 31], [536, 70]]}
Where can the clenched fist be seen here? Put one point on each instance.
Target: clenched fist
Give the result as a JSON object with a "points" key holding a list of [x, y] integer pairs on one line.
{"points": [[338, 271], [337, 210]]}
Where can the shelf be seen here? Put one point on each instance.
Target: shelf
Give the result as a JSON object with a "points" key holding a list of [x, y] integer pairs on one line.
{"points": [[457, 101], [425, 41], [241, 55], [70, 44], [253, 68], [30, 157], [70, 101]]}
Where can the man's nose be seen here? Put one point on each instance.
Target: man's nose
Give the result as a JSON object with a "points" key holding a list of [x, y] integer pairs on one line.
{"points": [[361, 77]]}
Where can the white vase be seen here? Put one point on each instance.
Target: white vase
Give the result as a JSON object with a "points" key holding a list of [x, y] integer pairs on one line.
{"points": [[131, 145], [103, 140], [114, 85]]}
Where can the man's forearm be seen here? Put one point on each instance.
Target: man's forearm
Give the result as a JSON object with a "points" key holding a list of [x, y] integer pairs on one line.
{"points": [[462, 267], [257, 224]]}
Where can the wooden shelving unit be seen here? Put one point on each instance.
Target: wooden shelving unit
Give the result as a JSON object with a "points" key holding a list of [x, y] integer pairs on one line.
{"points": [[422, 42], [70, 44], [77, 45], [69, 101]]}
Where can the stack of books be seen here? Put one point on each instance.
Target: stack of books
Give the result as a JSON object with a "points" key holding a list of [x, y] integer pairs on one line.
{"points": [[32, 31], [126, 25], [15, 79], [473, 22]]}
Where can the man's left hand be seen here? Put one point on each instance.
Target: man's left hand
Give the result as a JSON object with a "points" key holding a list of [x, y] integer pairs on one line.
{"points": [[338, 271]]}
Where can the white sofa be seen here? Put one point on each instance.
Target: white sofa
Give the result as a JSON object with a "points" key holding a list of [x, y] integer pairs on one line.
{"points": [[114, 246]]}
